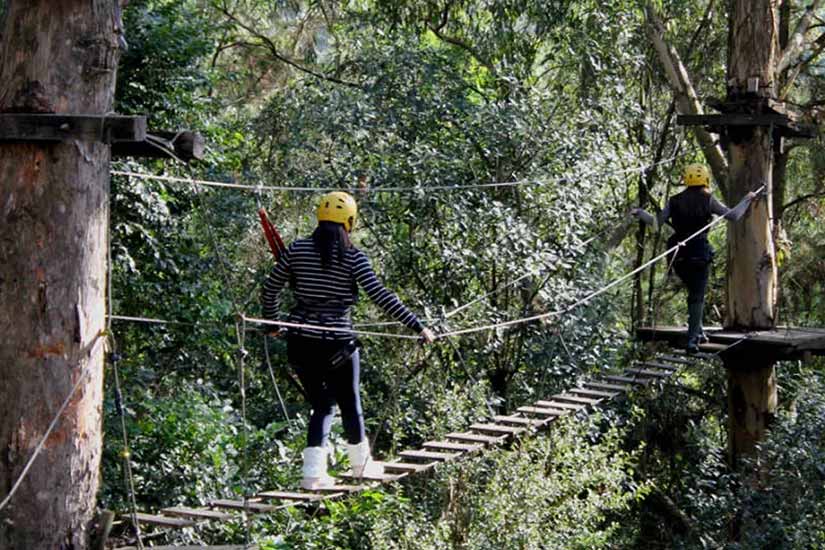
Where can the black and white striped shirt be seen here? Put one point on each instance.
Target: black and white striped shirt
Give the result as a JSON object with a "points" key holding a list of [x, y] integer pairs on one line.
{"points": [[326, 296]]}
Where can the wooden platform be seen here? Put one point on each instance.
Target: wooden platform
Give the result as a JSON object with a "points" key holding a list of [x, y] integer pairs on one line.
{"points": [[783, 343]]}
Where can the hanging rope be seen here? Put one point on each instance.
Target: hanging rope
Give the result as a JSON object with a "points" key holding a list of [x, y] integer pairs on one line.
{"points": [[39, 448], [126, 454]]}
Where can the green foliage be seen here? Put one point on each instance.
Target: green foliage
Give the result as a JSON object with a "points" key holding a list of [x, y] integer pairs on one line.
{"points": [[368, 95]]}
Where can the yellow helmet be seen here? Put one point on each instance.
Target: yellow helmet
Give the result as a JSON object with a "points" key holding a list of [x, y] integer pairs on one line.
{"points": [[697, 175], [338, 207]]}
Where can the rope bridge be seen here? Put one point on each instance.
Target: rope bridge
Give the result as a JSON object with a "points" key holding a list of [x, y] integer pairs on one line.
{"points": [[494, 432]]}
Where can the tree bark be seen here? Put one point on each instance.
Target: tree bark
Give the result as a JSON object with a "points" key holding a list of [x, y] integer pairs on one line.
{"points": [[752, 273], [56, 57]]}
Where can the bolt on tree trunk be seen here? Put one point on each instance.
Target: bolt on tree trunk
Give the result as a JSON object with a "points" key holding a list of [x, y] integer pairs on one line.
{"points": [[752, 273], [56, 57]]}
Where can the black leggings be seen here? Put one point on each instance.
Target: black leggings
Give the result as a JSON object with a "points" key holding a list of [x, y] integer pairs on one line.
{"points": [[326, 386], [694, 273]]}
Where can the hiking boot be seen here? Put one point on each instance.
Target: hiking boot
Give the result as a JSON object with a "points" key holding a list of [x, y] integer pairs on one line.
{"points": [[315, 469]]}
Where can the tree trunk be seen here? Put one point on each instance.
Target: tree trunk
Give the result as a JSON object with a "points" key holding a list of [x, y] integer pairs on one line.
{"points": [[56, 57], [752, 274]]}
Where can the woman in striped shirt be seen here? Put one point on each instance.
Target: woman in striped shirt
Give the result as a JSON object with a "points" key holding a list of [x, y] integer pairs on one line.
{"points": [[325, 272]]}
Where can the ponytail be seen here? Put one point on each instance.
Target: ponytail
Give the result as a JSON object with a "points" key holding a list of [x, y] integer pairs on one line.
{"points": [[331, 242]]}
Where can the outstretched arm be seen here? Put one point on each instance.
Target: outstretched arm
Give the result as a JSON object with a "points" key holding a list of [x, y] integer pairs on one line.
{"points": [[733, 214], [656, 221], [380, 296]]}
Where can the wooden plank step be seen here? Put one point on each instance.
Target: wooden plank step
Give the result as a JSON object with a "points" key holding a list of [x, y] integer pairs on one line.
{"points": [[543, 411], [476, 438], [703, 356], [222, 547], [428, 455], [519, 420], [256, 507], [676, 359], [162, 521], [337, 490], [649, 373], [626, 380], [384, 478], [594, 393], [289, 495], [568, 398], [197, 513], [658, 365], [496, 429], [453, 446], [559, 405], [608, 387], [407, 467]]}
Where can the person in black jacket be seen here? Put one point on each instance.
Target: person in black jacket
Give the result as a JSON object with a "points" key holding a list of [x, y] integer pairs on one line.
{"points": [[688, 212], [325, 272]]}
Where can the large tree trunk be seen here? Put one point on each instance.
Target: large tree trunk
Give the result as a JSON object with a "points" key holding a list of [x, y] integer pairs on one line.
{"points": [[61, 57], [752, 273]]}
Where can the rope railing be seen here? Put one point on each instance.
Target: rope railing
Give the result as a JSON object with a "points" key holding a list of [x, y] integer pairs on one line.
{"points": [[258, 188], [503, 324], [592, 295]]}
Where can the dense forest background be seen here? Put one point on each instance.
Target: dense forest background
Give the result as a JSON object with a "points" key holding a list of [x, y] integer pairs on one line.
{"points": [[566, 96]]}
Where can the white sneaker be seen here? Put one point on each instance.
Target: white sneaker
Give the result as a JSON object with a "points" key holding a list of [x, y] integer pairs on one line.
{"points": [[315, 469], [361, 461]]}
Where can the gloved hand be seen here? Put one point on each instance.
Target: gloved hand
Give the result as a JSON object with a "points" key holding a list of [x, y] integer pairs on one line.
{"points": [[427, 336], [635, 212]]}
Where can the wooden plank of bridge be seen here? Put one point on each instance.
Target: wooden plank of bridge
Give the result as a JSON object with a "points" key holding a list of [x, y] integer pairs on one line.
{"points": [[338, 490], [290, 495], [658, 365], [594, 393], [407, 467], [163, 521], [520, 420], [626, 380], [429, 455], [675, 359], [496, 429], [224, 547], [383, 478], [476, 438], [649, 373], [576, 399], [542, 411], [553, 404], [197, 513], [452, 446], [621, 388], [256, 507]]}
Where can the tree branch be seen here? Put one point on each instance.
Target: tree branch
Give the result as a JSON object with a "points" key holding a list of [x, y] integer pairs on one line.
{"points": [[802, 198], [687, 101], [802, 65], [273, 50], [796, 42]]}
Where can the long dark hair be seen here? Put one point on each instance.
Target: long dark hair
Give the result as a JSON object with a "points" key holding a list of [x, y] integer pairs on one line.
{"points": [[331, 241]]}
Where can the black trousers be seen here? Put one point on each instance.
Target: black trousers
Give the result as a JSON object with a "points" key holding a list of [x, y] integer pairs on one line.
{"points": [[694, 274], [327, 386]]}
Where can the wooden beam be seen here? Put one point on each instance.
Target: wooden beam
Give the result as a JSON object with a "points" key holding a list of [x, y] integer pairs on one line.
{"points": [[28, 128], [186, 146]]}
